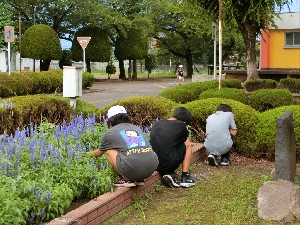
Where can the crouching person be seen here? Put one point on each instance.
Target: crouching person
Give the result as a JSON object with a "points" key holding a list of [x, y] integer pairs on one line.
{"points": [[127, 149]]}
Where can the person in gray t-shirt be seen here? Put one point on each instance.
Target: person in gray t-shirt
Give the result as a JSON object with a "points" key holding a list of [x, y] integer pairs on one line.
{"points": [[127, 149], [220, 126]]}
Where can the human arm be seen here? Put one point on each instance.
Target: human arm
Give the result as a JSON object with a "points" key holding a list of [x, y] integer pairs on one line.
{"points": [[232, 132], [96, 153]]}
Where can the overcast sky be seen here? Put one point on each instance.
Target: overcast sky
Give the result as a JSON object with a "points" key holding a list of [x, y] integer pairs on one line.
{"points": [[295, 7]]}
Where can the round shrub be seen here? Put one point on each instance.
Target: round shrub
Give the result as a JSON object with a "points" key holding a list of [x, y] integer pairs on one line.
{"points": [[253, 85], [246, 120], [266, 130], [144, 110], [87, 80], [179, 94], [266, 99], [227, 93], [194, 89], [292, 84]]}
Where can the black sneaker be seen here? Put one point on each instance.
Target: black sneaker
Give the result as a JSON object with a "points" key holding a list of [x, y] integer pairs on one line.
{"points": [[170, 180], [124, 183], [212, 160], [187, 181]]}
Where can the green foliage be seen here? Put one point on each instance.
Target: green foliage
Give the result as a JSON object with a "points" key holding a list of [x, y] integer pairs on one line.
{"points": [[85, 108], [266, 99], [227, 93], [246, 120], [144, 110], [292, 84], [150, 62], [98, 48], [253, 85], [87, 80], [132, 45], [194, 89], [66, 59], [41, 42], [110, 69], [266, 130]]}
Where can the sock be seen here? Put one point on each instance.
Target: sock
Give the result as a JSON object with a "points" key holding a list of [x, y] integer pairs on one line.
{"points": [[185, 174]]}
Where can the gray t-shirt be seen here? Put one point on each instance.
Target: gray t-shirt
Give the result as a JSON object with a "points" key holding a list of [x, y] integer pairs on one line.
{"points": [[218, 139], [135, 160]]}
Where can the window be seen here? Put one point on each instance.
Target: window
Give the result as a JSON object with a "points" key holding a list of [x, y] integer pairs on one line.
{"points": [[292, 39]]}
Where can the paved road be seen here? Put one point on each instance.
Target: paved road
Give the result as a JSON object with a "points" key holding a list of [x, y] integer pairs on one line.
{"points": [[108, 91]]}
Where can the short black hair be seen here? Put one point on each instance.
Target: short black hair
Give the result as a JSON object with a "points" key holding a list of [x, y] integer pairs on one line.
{"points": [[119, 118], [183, 114], [224, 108]]}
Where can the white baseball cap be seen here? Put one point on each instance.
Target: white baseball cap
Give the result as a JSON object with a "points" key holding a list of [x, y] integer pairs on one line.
{"points": [[115, 110], [180, 65]]}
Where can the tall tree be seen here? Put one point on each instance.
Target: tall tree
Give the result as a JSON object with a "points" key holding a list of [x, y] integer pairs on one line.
{"points": [[41, 42], [5, 20], [132, 46], [181, 27], [98, 49], [251, 16]]}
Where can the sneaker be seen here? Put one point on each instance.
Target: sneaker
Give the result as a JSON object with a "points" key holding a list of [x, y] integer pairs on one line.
{"points": [[124, 183], [139, 183], [225, 162], [187, 181], [170, 181], [212, 160]]}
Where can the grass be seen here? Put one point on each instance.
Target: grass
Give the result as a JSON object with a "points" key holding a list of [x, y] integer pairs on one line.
{"points": [[223, 195]]}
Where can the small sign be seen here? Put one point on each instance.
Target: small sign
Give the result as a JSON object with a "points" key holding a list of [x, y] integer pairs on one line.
{"points": [[9, 34], [83, 41]]}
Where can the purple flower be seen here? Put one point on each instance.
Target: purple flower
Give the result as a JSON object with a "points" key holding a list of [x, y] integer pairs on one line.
{"points": [[47, 198]]}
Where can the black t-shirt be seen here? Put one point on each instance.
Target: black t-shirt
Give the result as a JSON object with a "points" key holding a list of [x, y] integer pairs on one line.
{"points": [[167, 139], [180, 73]]}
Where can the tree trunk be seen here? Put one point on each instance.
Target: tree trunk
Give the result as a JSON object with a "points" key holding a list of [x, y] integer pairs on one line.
{"points": [[44, 64], [88, 66], [250, 41], [129, 69], [122, 70], [189, 63], [134, 70]]}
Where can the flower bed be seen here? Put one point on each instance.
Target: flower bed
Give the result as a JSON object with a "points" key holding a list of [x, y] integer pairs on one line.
{"points": [[44, 168]]}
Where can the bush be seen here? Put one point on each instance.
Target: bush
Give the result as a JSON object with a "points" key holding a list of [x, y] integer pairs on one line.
{"points": [[246, 120], [266, 99], [227, 93], [253, 85], [266, 131], [292, 84], [194, 89], [144, 110], [87, 80]]}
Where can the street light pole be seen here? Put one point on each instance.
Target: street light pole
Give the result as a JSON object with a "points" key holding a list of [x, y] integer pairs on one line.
{"points": [[34, 24], [20, 42], [220, 44]]}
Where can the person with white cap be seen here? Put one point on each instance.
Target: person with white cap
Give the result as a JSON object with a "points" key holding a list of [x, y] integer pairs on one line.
{"points": [[180, 74], [127, 149]]}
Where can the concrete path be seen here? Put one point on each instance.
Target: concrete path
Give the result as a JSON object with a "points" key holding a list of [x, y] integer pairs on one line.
{"points": [[104, 92]]}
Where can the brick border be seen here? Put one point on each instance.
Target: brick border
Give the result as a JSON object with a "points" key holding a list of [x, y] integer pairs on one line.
{"points": [[107, 205]]}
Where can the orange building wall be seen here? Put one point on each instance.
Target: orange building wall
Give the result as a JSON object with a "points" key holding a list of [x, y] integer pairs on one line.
{"points": [[281, 57], [264, 50]]}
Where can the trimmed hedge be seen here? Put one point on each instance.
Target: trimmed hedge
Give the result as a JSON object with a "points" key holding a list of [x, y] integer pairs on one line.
{"points": [[227, 93], [29, 83], [266, 131], [266, 99], [253, 85], [190, 92], [144, 110], [246, 120], [292, 84]]}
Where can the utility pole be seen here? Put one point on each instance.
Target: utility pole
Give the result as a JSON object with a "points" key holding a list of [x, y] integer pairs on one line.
{"points": [[34, 10], [220, 44], [20, 36]]}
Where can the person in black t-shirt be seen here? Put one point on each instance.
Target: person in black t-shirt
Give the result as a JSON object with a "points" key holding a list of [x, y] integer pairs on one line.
{"points": [[169, 140]]}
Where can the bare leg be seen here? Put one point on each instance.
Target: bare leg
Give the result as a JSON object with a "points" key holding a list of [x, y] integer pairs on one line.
{"points": [[112, 159], [188, 155]]}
